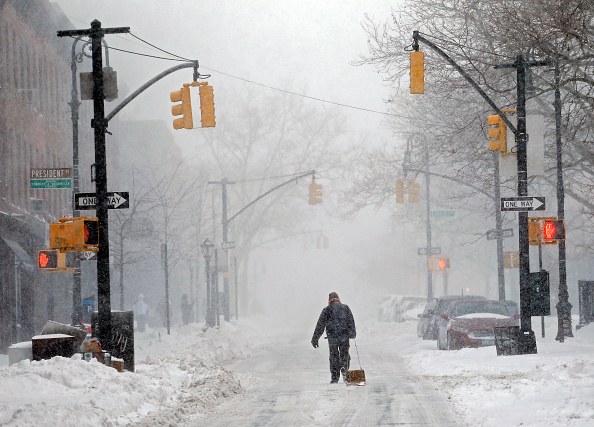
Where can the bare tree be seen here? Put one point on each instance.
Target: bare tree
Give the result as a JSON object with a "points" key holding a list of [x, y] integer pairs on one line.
{"points": [[273, 137]]}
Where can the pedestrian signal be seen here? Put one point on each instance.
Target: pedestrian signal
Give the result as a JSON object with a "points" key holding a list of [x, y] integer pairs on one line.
{"points": [[553, 230], [75, 234], [47, 259]]}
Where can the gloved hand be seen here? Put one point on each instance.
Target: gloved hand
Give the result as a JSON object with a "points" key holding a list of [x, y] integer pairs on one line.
{"points": [[314, 343]]}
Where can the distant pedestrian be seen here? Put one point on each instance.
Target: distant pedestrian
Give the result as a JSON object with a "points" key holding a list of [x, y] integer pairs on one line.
{"points": [[140, 312], [187, 310], [338, 321]]}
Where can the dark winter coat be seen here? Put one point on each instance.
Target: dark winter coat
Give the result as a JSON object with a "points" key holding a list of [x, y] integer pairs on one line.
{"points": [[338, 321]]}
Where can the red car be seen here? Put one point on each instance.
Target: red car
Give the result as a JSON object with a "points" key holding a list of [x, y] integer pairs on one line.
{"points": [[470, 323]]}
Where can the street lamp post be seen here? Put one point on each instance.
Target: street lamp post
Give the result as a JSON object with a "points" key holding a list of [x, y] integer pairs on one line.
{"points": [[206, 247]]}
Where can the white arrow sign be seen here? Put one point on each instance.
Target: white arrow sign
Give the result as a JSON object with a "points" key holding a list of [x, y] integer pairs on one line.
{"points": [[522, 203], [118, 200]]}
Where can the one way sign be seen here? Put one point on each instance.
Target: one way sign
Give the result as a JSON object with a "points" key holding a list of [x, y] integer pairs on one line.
{"points": [[119, 200], [522, 203]]}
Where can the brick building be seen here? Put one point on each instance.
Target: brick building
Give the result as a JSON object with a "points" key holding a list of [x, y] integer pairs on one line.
{"points": [[35, 132]]}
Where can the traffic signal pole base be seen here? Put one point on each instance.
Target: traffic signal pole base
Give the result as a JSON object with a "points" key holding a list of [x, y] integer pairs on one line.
{"points": [[564, 322], [527, 342]]}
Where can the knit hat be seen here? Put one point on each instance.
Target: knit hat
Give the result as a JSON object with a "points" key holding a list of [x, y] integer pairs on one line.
{"points": [[333, 296]]}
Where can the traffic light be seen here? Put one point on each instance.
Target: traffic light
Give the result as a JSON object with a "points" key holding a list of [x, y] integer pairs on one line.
{"points": [[207, 106], [534, 232], [75, 234], [553, 230], [413, 192], [315, 193], [511, 259], [47, 259], [438, 263], [184, 109], [417, 72], [497, 133], [400, 191], [443, 263]]}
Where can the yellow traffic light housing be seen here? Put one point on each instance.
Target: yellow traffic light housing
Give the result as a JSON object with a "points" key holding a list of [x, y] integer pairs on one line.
{"points": [[184, 109], [207, 115], [417, 72], [75, 234], [413, 192], [438, 263], [545, 230], [400, 190], [315, 193], [497, 133]]}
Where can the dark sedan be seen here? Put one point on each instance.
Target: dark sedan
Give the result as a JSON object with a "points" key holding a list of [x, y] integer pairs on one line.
{"points": [[470, 324]]}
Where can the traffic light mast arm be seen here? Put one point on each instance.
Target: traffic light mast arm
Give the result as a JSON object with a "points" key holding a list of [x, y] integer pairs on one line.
{"points": [[297, 178], [417, 37], [121, 105], [406, 169]]}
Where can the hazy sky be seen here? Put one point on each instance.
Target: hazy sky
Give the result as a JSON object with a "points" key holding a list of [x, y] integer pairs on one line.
{"points": [[307, 46]]}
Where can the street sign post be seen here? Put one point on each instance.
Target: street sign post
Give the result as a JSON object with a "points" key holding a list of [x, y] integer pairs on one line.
{"points": [[494, 235], [522, 204], [119, 200], [429, 251]]}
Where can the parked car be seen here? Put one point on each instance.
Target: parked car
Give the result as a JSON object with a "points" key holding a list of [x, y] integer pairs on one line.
{"points": [[425, 318], [470, 323], [442, 304], [394, 308]]}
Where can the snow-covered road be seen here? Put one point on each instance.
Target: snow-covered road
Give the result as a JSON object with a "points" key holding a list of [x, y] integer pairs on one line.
{"points": [[288, 385], [258, 372]]}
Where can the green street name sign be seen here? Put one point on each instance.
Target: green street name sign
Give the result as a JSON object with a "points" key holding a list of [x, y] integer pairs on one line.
{"points": [[51, 183], [442, 214]]}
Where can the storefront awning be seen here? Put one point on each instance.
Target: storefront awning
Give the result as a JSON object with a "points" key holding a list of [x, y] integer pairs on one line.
{"points": [[26, 261]]}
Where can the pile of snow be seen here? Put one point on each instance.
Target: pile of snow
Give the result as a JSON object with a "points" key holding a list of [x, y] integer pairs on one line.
{"points": [[554, 387], [186, 365]]}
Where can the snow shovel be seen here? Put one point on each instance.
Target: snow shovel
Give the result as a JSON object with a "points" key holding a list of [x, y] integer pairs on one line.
{"points": [[355, 376]]}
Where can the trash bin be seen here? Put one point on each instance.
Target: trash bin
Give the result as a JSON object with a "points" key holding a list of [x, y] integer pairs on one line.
{"points": [[507, 340], [51, 345], [20, 351]]}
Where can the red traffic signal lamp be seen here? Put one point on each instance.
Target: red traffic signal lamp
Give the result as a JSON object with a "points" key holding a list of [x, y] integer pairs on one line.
{"points": [[75, 234], [184, 109], [553, 230], [443, 263], [438, 263], [47, 259]]}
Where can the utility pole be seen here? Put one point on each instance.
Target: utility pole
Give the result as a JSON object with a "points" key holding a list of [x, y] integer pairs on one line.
{"points": [[498, 224], [96, 33], [564, 328], [527, 339]]}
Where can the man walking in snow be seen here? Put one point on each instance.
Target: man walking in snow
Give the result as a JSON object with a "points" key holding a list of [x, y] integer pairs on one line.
{"points": [[336, 318]]}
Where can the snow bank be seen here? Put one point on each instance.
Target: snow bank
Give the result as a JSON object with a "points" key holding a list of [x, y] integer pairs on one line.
{"points": [[554, 387], [186, 365]]}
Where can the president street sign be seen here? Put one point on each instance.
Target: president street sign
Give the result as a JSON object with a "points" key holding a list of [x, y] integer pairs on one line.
{"points": [[50, 178], [119, 200], [522, 203]]}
